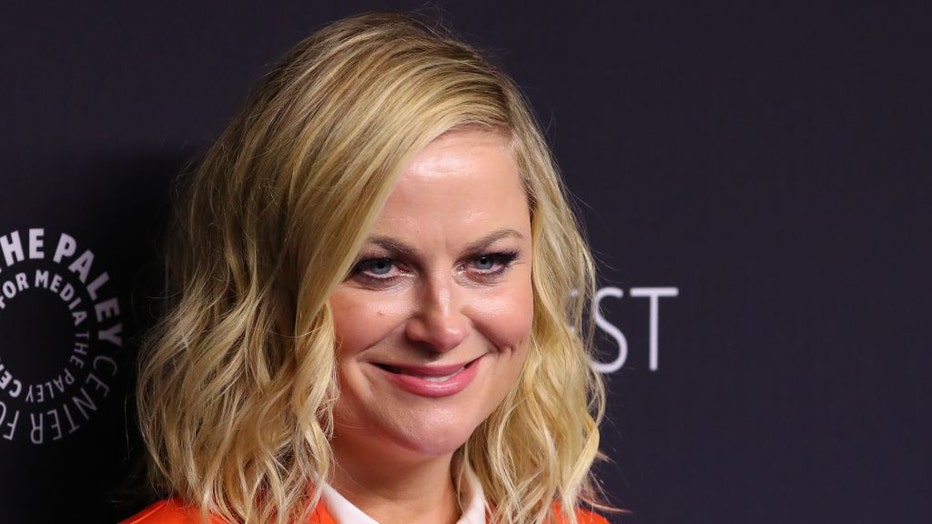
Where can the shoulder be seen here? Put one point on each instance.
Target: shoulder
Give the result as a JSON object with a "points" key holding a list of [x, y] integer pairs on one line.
{"points": [[588, 517], [174, 511], [582, 517], [169, 511]]}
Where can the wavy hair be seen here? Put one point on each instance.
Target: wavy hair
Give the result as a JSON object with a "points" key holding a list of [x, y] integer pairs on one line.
{"points": [[238, 381]]}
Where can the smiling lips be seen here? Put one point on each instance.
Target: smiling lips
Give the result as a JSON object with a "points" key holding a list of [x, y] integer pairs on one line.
{"points": [[432, 381]]}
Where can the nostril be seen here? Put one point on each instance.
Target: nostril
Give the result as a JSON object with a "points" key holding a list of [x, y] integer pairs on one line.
{"points": [[439, 331]]}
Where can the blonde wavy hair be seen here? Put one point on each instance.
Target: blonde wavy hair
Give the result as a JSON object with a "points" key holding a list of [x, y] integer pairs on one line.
{"points": [[238, 381]]}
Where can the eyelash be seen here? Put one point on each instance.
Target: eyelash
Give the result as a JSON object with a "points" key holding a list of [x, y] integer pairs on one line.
{"points": [[500, 260]]}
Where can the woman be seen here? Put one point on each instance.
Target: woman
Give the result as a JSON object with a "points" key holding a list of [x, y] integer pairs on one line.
{"points": [[378, 308]]}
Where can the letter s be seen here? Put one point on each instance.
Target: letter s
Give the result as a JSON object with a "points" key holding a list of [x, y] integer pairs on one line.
{"points": [[614, 332]]}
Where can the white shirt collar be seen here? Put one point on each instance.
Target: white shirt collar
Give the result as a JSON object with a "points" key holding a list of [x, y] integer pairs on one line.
{"points": [[344, 512]]}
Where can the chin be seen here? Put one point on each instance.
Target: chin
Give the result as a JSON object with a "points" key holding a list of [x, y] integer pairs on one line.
{"points": [[436, 438]]}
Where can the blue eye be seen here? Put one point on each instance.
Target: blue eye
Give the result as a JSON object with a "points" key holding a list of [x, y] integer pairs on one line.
{"points": [[377, 272], [485, 262], [378, 266], [493, 263]]}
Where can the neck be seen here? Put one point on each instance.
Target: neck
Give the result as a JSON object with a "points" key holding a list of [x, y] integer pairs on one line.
{"points": [[399, 490]]}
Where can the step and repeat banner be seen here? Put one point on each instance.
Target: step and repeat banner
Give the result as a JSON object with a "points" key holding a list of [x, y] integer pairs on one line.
{"points": [[755, 183]]}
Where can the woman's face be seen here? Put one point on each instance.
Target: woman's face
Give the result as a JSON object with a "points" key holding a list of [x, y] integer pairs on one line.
{"points": [[433, 323]]}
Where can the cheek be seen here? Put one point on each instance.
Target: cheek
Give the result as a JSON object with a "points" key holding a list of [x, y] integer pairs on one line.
{"points": [[506, 317], [360, 322]]}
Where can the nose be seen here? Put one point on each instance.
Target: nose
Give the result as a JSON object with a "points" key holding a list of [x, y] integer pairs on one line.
{"points": [[437, 320]]}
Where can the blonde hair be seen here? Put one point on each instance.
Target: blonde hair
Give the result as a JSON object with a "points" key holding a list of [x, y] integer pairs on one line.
{"points": [[238, 381]]}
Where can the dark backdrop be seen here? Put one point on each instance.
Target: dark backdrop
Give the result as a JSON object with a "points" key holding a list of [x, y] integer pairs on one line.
{"points": [[762, 172]]}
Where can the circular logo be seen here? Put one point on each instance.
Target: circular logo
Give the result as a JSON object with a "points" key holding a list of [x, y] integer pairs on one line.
{"points": [[60, 326]]}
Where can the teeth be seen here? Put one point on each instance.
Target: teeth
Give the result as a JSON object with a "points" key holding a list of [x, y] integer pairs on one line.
{"points": [[401, 371], [441, 379]]}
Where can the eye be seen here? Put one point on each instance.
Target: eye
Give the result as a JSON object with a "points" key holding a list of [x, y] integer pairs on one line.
{"points": [[492, 264], [485, 262], [379, 266], [376, 271]]}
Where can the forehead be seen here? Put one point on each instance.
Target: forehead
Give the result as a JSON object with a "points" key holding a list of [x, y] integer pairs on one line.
{"points": [[460, 151], [464, 177]]}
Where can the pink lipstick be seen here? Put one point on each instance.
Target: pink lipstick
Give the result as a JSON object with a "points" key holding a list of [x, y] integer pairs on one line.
{"points": [[432, 381]]}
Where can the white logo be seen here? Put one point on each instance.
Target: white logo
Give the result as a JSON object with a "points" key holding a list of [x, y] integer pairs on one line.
{"points": [[59, 329], [652, 293]]}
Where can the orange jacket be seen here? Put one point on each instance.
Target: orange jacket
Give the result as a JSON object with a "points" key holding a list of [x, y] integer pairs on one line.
{"points": [[173, 511]]}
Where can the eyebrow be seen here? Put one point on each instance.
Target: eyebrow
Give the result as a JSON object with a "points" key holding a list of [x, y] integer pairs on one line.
{"points": [[397, 246]]}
